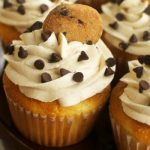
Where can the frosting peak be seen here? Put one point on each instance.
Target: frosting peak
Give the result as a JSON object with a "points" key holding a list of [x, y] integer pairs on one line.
{"points": [[55, 69]]}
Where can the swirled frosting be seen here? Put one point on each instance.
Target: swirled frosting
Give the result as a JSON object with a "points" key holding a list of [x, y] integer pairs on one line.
{"points": [[135, 100], [130, 18], [22, 72], [10, 15]]}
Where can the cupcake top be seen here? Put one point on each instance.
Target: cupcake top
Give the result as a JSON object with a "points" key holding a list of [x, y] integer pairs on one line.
{"points": [[136, 96], [23, 13], [127, 25], [47, 67]]}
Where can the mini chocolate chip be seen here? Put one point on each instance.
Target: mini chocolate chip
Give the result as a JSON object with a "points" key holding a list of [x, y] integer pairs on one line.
{"points": [[37, 25], [64, 12], [117, 1], [108, 72], [43, 8], [21, 10], [114, 25], [63, 72], [133, 39], [78, 77], [138, 71], [147, 59], [120, 16], [22, 53], [123, 45], [141, 59], [110, 62], [39, 64], [7, 4], [147, 10], [146, 36], [10, 49], [83, 56], [45, 35], [89, 42], [55, 58], [65, 33], [46, 77], [143, 85], [20, 1]]}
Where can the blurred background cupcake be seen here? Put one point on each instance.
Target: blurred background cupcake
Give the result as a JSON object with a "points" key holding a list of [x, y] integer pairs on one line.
{"points": [[130, 107], [58, 77], [17, 15], [127, 30]]}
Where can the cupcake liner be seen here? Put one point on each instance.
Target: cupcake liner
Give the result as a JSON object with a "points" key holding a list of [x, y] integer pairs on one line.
{"points": [[124, 140], [52, 131]]}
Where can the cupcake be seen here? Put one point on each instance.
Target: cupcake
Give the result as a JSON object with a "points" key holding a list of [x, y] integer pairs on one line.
{"points": [[58, 77], [17, 15], [130, 107], [127, 30]]}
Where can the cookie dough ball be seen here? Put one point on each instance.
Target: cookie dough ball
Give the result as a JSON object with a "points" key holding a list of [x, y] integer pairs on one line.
{"points": [[78, 22]]}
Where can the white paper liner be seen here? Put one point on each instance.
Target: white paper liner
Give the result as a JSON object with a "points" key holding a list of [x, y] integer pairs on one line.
{"points": [[52, 131], [124, 140]]}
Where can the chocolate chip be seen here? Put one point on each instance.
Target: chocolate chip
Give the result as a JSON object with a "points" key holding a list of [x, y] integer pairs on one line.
{"points": [[123, 45], [133, 39], [108, 72], [64, 12], [39, 64], [138, 71], [45, 35], [78, 77], [110, 62], [141, 59], [120, 16], [43, 8], [83, 56], [55, 58], [63, 72], [144, 59], [46, 77], [146, 36], [114, 25], [37, 25], [20, 1], [89, 42], [10, 49], [143, 85], [147, 10], [22, 52], [6, 4], [65, 33], [147, 59], [21, 10], [117, 1]]}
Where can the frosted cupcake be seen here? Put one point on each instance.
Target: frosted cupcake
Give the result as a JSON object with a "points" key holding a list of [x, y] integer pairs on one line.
{"points": [[56, 85], [17, 15], [127, 30], [129, 107]]}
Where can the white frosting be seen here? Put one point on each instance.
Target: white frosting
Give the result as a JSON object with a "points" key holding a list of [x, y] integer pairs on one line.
{"points": [[135, 104], [11, 17], [136, 22], [64, 89]]}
